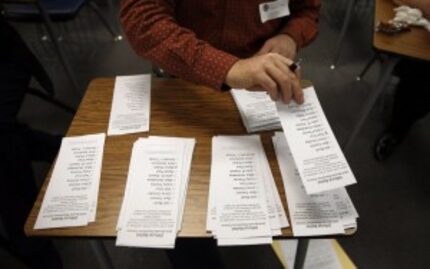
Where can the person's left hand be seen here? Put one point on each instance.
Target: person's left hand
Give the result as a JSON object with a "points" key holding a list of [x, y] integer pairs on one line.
{"points": [[282, 44]]}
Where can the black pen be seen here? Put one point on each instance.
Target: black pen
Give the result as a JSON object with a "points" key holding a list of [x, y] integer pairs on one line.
{"points": [[295, 65]]}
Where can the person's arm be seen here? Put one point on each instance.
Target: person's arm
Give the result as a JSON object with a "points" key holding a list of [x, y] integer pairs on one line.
{"points": [[300, 28], [155, 35], [269, 69]]}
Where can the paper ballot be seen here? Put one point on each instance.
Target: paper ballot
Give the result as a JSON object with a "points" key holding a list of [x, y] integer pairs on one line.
{"points": [[321, 254], [72, 193], [244, 205], [324, 213], [131, 102], [317, 155], [257, 110], [154, 198]]}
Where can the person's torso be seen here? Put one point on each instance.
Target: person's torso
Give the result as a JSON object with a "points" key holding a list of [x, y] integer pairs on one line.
{"points": [[230, 25]]}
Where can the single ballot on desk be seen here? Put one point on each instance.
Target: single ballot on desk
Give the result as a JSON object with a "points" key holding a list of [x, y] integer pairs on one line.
{"points": [[71, 197], [316, 152], [131, 105]]}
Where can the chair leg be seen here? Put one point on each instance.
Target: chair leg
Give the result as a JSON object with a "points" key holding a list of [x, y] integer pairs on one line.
{"points": [[387, 69], [57, 48], [302, 249], [52, 100], [96, 9], [368, 65], [341, 37]]}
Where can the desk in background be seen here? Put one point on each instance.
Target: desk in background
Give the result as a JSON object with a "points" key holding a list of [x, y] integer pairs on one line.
{"points": [[414, 44]]}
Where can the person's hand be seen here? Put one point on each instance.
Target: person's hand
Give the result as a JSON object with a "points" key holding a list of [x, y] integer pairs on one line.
{"points": [[282, 44], [269, 72]]}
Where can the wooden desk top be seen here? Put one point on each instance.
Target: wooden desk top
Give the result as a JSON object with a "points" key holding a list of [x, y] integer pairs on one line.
{"points": [[178, 109], [415, 44]]}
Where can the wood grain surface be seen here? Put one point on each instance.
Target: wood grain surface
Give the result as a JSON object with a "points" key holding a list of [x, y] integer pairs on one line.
{"points": [[178, 109], [414, 44]]}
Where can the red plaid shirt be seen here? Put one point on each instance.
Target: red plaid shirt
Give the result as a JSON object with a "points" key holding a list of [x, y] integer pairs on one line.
{"points": [[200, 40]]}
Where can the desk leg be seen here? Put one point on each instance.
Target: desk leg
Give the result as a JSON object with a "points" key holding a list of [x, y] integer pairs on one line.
{"points": [[387, 69], [101, 254], [302, 248]]}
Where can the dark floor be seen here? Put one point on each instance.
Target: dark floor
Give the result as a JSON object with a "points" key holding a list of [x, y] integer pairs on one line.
{"points": [[392, 197]]}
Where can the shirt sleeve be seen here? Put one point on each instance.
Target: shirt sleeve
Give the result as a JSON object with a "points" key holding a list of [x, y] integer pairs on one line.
{"points": [[155, 35], [302, 25]]}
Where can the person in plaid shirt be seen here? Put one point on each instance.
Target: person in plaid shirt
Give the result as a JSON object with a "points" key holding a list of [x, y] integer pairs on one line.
{"points": [[223, 44]]}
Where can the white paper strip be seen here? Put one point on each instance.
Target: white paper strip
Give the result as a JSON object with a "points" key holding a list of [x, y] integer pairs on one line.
{"points": [[131, 103], [317, 155], [72, 193]]}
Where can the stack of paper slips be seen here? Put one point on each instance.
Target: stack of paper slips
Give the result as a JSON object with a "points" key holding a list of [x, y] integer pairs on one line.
{"points": [[155, 193], [257, 110], [244, 205], [71, 197], [328, 212]]}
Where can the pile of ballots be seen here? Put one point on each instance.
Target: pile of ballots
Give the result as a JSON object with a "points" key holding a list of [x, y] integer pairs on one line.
{"points": [[155, 192], [257, 110], [244, 205]]}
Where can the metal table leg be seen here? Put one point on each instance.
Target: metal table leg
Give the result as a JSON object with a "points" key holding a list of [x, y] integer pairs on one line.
{"points": [[387, 69], [302, 248], [101, 254], [368, 65]]}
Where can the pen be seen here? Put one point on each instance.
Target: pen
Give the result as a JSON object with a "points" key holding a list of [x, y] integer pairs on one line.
{"points": [[295, 65]]}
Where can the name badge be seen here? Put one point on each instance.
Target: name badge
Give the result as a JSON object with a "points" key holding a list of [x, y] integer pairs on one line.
{"points": [[273, 10]]}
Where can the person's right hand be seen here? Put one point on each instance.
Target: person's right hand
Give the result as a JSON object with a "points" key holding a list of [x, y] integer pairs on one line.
{"points": [[269, 72]]}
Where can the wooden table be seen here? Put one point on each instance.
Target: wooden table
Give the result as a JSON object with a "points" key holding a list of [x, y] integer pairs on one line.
{"points": [[178, 109], [414, 44]]}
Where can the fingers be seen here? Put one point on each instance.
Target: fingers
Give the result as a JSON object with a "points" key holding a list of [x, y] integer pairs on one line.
{"points": [[293, 79], [297, 87], [269, 85], [297, 91], [283, 81]]}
